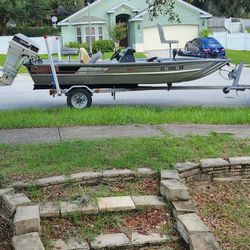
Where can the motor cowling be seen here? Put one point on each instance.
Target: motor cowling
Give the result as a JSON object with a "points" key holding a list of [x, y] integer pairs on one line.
{"points": [[20, 48]]}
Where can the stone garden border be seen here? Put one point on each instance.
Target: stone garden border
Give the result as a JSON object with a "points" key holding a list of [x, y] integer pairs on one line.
{"points": [[173, 188], [24, 217]]}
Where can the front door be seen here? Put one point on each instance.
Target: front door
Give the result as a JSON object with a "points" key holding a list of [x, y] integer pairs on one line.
{"points": [[123, 19]]}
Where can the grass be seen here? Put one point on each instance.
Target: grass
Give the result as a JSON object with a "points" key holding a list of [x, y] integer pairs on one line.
{"points": [[123, 115], [32, 161], [238, 56], [248, 30]]}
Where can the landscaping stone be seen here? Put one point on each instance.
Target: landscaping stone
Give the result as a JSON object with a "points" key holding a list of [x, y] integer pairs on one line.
{"points": [[189, 224], [77, 244], [54, 180], [116, 172], [59, 245], [85, 176], [206, 177], [239, 160], [169, 174], [145, 172], [49, 210], [192, 172], [204, 241], [183, 207], [123, 203], [220, 175], [12, 201], [174, 190], [186, 166], [21, 184], [29, 241], [26, 220], [6, 191], [67, 208], [110, 241], [228, 179], [148, 201], [214, 162], [235, 168], [193, 178], [150, 239]]}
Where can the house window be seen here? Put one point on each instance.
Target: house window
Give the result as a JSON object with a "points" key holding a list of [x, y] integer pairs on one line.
{"points": [[100, 31], [79, 35], [87, 34]]}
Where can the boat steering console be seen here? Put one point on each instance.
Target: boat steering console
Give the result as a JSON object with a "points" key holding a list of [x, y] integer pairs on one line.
{"points": [[126, 57]]}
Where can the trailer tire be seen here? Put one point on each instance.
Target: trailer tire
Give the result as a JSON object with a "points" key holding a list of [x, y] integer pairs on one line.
{"points": [[79, 98]]}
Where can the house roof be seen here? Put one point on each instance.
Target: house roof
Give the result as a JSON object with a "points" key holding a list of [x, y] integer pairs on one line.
{"points": [[203, 14], [85, 20], [112, 10], [66, 21]]}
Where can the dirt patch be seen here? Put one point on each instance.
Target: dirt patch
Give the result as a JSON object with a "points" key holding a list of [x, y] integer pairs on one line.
{"points": [[225, 208], [144, 222], [5, 235], [73, 191]]}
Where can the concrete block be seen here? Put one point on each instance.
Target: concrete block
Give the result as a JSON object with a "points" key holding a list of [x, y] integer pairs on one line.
{"points": [[148, 201], [186, 166], [116, 173], [26, 220], [122, 203], [12, 201], [150, 239], [6, 191], [189, 224], [110, 241], [54, 180], [49, 210], [183, 207], [174, 190], [240, 160], [227, 179], [59, 245], [83, 176], [204, 241], [213, 163], [145, 172], [29, 241], [77, 244], [169, 174], [68, 208]]}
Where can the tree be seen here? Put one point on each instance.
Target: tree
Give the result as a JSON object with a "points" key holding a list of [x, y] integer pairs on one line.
{"points": [[117, 33], [9, 9]]}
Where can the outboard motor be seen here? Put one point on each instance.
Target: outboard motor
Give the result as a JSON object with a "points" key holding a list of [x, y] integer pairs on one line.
{"points": [[20, 48]]}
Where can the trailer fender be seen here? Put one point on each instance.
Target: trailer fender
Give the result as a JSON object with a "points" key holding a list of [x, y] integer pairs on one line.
{"points": [[79, 87]]}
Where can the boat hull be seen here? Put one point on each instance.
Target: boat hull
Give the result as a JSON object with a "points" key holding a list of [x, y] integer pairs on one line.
{"points": [[113, 74]]}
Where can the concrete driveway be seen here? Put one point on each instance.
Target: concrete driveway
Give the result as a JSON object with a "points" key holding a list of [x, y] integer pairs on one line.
{"points": [[21, 95]]}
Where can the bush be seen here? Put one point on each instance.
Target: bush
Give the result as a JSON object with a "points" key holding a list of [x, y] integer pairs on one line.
{"points": [[103, 46], [100, 45], [206, 32], [77, 45], [33, 31]]}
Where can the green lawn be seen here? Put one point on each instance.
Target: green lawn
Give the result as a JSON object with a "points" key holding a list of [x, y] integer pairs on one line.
{"points": [[32, 161], [238, 56], [122, 115], [248, 30]]}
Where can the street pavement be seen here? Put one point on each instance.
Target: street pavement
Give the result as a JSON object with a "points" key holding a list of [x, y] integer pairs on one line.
{"points": [[21, 95], [58, 134]]}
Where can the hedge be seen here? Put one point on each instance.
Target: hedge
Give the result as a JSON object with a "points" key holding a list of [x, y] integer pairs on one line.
{"points": [[33, 31], [100, 45]]}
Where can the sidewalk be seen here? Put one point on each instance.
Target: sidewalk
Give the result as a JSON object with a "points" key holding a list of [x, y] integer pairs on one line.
{"points": [[57, 134]]}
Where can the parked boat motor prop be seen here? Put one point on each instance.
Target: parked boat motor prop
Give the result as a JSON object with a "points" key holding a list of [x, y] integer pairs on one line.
{"points": [[21, 48]]}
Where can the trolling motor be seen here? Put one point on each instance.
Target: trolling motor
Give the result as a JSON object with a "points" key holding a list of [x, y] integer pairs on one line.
{"points": [[21, 48]]}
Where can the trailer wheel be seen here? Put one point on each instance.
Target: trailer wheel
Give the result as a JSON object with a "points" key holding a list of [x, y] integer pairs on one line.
{"points": [[79, 98]]}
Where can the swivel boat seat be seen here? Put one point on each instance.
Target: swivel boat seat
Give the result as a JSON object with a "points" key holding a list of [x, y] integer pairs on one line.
{"points": [[164, 41]]}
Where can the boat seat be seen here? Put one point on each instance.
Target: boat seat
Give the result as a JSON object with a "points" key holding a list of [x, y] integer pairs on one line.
{"points": [[127, 56], [96, 57], [69, 51], [165, 41]]}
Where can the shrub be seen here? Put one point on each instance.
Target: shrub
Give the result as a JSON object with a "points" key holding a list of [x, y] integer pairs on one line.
{"points": [[100, 45], [206, 33], [77, 45], [103, 46], [33, 31]]}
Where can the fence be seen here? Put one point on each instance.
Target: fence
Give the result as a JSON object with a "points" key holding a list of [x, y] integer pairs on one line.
{"points": [[4, 44], [235, 41]]}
